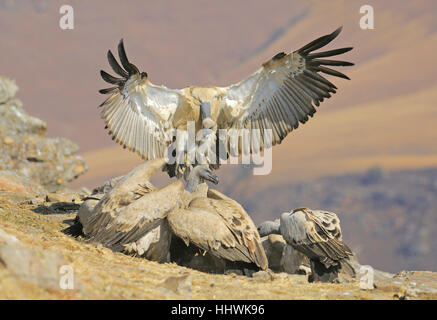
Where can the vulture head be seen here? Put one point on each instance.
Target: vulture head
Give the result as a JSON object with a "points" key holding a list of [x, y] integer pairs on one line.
{"points": [[200, 174], [268, 227]]}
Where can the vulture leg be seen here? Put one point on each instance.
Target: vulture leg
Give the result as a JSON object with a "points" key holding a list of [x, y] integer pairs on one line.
{"points": [[206, 150], [205, 111]]}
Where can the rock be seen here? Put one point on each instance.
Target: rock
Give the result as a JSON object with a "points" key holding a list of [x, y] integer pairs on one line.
{"points": [[40, 267], [273, 245], [13, 182], [26, 149], [63, 197], [6, 238], [177, 287], [262, 276], [8, 89], [294, 262]]}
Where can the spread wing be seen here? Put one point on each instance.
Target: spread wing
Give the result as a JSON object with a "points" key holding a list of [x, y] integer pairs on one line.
{"points": [[281, 94], [306, 232], [138, 112]]}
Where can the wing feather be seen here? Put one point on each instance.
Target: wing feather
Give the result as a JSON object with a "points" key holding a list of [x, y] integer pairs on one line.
{"points": [[283, 92], [317, 234], [119, 220], [220, 225], [138, 113]]}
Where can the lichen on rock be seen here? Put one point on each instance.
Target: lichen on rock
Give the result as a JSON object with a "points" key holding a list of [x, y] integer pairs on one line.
{"points": [[27, 150]]}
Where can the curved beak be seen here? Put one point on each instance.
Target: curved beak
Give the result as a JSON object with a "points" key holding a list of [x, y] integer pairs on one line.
{"points": [[211, 177]]}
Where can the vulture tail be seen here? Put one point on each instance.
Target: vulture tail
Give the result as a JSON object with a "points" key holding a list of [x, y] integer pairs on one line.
{"points": [[128, 71], [315, 65], [346, 267]]}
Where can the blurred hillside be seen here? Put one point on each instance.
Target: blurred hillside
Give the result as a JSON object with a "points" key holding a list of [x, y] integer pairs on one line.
{"points": [[385, 116], [389, 218]]}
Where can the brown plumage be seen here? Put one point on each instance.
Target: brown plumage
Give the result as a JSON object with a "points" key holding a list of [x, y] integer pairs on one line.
{"points": [[220, 226], [135, 217], [317, 234], [132, 216]]}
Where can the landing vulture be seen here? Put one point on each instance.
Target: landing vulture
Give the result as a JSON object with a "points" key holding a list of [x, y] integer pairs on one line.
{"points": [[278, 96]]}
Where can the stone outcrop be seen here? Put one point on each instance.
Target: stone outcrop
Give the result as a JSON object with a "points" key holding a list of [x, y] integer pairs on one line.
{"points": [[25, 148]]}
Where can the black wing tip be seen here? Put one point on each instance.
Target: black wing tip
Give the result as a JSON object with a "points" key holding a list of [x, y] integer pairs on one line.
{"points": [[110, 56], [337, 31], [115, 65], [129, 67], [107, 90], [320, 42], [121, 47]]}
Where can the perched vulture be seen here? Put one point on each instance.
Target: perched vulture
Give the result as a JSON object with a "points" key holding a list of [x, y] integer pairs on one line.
{"points": [[220, 226], [270, 103], [131, 217], [317, 234]]}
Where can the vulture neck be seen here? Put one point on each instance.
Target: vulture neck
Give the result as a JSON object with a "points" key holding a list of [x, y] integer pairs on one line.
{"points": [[193, 181], [275, 228]]}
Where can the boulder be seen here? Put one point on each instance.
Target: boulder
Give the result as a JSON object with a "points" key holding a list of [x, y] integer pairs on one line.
{"points": [[273, 245], [27, 150], [294, 262]]}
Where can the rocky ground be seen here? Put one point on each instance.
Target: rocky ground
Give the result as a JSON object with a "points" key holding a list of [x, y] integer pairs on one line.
{"points": [[33, 249], [36, 257]]}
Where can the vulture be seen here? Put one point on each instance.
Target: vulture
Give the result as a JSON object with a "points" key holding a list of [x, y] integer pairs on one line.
{"points": [[220, 226], [135, 217], [131, 217], [317, 234], [255, 113]]}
